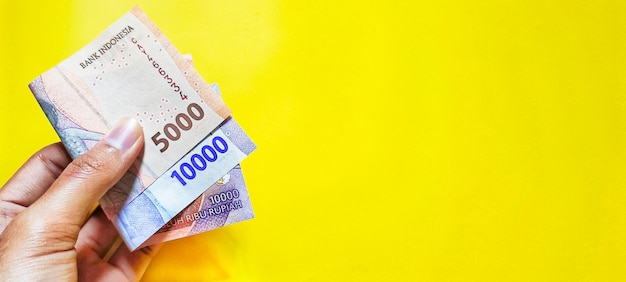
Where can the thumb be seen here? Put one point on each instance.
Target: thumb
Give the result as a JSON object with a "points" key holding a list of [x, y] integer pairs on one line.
{"points": [[70, 198]]}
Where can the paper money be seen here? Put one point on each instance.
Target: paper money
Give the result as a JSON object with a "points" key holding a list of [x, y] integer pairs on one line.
{"points": [[140, 217], [144, 215], [224, 203], [128, 71], [131, 69]]}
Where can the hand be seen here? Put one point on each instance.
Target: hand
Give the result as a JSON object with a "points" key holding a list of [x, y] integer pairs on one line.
{"points": [[46, 232]]}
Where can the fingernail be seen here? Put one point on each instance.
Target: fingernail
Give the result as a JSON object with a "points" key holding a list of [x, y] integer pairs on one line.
{"points": [[124, 134]]}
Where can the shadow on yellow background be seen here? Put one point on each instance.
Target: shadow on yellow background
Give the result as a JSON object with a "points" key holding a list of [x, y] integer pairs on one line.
{"points": [[435, 141]]}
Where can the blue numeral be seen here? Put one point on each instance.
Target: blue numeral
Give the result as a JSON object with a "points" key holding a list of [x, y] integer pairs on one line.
{"points": [[213, 156], [224, 145], [175, 174], [199, 162], [187, 167]]}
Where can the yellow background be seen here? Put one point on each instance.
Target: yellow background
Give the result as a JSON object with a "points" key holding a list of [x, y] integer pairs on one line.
{"points": [[433, 141]]}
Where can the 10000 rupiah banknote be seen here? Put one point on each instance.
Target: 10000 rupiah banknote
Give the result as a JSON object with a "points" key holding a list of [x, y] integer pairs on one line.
{"points": [[131, 69], [180, 185], [142, 216], [224, 203]]}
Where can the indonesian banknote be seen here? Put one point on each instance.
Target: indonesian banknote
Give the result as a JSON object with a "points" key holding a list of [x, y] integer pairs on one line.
{"points": [[131, 69], [208, 161], [224, 203]]}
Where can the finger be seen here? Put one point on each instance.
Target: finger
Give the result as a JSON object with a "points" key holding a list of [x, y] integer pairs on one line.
{"points": [[70, 198], [35, 176], [134, 264], [97, 235]]}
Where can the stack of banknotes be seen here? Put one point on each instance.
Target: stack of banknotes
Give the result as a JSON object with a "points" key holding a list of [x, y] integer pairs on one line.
{"points": [[188, 179]]}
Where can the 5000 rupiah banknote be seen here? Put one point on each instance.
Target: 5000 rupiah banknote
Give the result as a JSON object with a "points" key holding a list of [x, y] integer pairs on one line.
{"points": [[131, 69]]}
